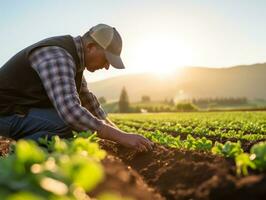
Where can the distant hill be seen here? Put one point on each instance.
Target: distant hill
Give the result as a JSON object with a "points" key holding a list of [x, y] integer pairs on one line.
{"points": [[190, 82]]}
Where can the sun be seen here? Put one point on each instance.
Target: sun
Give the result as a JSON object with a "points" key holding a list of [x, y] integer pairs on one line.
{"points": [[161, 55]]}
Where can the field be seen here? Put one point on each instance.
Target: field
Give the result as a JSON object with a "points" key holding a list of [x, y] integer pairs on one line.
{"points": [[208, 155]]}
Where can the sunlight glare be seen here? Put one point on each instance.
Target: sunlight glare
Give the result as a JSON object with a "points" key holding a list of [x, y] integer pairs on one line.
{"points": [[162, 55]]}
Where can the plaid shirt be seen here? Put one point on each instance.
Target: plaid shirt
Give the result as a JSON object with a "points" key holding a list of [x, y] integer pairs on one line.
{"points": [[57, 69]]}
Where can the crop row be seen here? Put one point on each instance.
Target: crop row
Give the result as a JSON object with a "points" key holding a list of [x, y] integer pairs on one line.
{"points": [[255, 160], [197, 131], [241, 123], [203, 126]]}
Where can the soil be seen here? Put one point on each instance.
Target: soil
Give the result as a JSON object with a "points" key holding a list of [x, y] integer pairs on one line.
{"points": [[4, 145], [166, 173], [191, 175], [124, 181]]}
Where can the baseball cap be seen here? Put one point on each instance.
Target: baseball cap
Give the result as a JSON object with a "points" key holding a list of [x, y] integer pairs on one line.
{"points": [[110, 40]]}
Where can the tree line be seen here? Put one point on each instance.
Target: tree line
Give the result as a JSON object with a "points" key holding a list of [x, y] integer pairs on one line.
{"points": [[169, 105]]}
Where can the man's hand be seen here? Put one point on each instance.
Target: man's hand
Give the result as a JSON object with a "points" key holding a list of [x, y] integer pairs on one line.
{"points": [[130, 140], [136, 142]]}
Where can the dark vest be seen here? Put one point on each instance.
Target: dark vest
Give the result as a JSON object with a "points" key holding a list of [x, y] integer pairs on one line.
{"points": [[20, 85]]}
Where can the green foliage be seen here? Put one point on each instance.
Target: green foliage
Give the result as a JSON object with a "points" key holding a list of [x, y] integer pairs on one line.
{"points": [[229, 149], [27, 153], [186, 107], [23, 196], [71, 168], [243, 162], [201, 144], [237, 125], [86, 134], [258, 155], [112, 196], [162, 138], [255, 160]]}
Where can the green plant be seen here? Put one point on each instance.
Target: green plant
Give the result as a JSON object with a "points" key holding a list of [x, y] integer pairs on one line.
{"points": [[258, 155], [229, 149], [243, 162], [71, 169], [201, 144]]}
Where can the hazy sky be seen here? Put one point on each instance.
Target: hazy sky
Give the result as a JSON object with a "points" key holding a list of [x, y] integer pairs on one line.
{"points": [[157, 35]]}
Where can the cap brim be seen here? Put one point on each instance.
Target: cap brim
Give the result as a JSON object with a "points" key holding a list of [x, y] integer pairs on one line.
{"points": [[114, 60]]}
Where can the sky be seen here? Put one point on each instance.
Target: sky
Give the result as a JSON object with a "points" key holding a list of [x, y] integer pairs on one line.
{"points": [[159, 36]]}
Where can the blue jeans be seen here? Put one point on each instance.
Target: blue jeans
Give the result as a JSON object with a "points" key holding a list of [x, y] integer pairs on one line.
{"points": [[39, 122]]}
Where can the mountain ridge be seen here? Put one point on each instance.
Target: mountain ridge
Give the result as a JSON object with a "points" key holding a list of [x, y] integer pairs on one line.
{"points": [[189, 82]]}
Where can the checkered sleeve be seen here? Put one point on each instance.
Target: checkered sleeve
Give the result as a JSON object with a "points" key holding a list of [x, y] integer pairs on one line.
{"points": [[56, 69], [90, 101]]}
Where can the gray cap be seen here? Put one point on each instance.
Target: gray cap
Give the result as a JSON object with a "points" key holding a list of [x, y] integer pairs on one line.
{"points": [[110, 40]]}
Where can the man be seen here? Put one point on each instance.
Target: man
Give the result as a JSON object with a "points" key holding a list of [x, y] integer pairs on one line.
{"points": [[43, 91]]}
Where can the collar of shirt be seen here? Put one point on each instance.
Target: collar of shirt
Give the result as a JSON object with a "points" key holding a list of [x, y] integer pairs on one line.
{"points": [[80, 51]]}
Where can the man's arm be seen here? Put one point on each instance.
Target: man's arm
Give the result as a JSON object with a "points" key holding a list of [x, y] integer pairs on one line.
{"points": [[90, 101], [56, 69], [108, 121]]}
